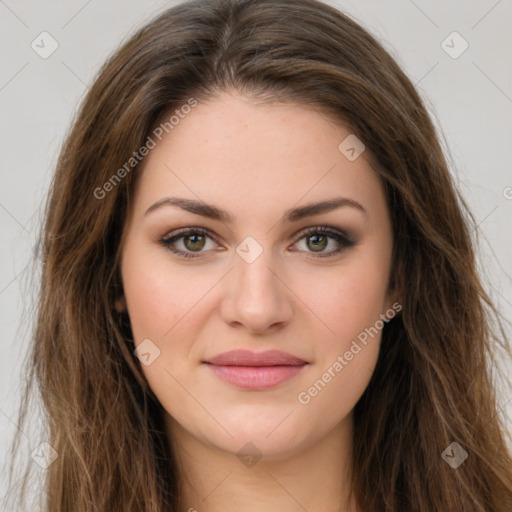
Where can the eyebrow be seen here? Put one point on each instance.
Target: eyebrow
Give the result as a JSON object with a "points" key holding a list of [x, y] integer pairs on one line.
{"points": [[293, 215]]}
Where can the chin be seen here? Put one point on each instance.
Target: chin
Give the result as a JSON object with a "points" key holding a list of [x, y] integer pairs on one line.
{"points": [[250, 446]]}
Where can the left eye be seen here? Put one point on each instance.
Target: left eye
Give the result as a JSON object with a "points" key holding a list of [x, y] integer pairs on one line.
{"points": [[316, 238]]}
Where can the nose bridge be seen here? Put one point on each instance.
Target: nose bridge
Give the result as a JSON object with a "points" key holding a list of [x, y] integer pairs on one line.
{"points": [[255, 277], [256, 298]]}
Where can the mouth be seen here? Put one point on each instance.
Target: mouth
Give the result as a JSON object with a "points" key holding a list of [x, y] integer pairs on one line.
{"points": [[255, 378], [255, 371]]}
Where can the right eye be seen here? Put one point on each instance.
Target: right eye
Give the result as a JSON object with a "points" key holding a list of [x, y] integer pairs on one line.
{"points": [[192, 239]]}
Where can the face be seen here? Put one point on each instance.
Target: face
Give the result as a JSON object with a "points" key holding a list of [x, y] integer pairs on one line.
{"points": [[270, 273]]}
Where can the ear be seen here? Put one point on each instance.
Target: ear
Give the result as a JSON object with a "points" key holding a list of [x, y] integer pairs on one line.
{"points": [[396, 290], [120, 304], [393, 301]]}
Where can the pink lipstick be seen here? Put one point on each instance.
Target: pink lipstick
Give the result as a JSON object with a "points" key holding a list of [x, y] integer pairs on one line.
{"points": [[255, 370]]}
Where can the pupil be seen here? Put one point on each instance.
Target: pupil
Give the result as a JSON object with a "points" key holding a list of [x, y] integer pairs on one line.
{"points": [[316, 244], [191, 237]]}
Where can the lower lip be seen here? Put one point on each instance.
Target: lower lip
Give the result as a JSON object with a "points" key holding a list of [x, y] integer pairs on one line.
{"points": [[255, 377]]}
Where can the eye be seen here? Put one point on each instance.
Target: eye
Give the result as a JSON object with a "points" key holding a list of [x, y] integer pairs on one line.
{"points": [[194, 240], [317, 239]]}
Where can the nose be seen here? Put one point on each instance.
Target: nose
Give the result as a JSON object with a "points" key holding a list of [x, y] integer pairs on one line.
{"points": [[256, 296]]}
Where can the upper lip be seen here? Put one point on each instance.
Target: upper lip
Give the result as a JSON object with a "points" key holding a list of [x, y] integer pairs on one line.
{"points": [[248, 358]]}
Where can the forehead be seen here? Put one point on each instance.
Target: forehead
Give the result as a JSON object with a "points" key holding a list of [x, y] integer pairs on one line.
{"points": [[234, 151]]}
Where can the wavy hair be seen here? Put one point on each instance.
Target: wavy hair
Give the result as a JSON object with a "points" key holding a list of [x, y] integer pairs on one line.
{"points": [[434, 383]]}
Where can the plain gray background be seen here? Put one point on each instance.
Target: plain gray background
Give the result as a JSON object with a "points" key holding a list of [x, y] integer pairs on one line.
{"points": [[470, 98]]}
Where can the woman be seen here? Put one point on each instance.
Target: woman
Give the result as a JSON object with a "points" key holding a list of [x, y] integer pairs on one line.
{"points": [[259, 287]]}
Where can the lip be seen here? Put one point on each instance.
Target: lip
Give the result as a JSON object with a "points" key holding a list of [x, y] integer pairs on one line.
{"points": [[255, 370], [248, 358]]}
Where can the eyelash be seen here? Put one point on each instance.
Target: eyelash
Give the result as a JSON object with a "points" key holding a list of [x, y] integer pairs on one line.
{"points": [[341, 238]]}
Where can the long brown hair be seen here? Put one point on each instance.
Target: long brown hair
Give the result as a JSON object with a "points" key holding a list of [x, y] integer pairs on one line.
{"points": [[433, 384]]}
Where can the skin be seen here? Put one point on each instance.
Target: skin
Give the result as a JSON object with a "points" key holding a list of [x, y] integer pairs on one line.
{"points": [[256, 162]]}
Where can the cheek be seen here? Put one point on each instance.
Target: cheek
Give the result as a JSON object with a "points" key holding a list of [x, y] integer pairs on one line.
{"points": [[333, 393], [349, 304], [163, 307], [150, 303], [351, 307], [350, 301], [158, 297]]}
